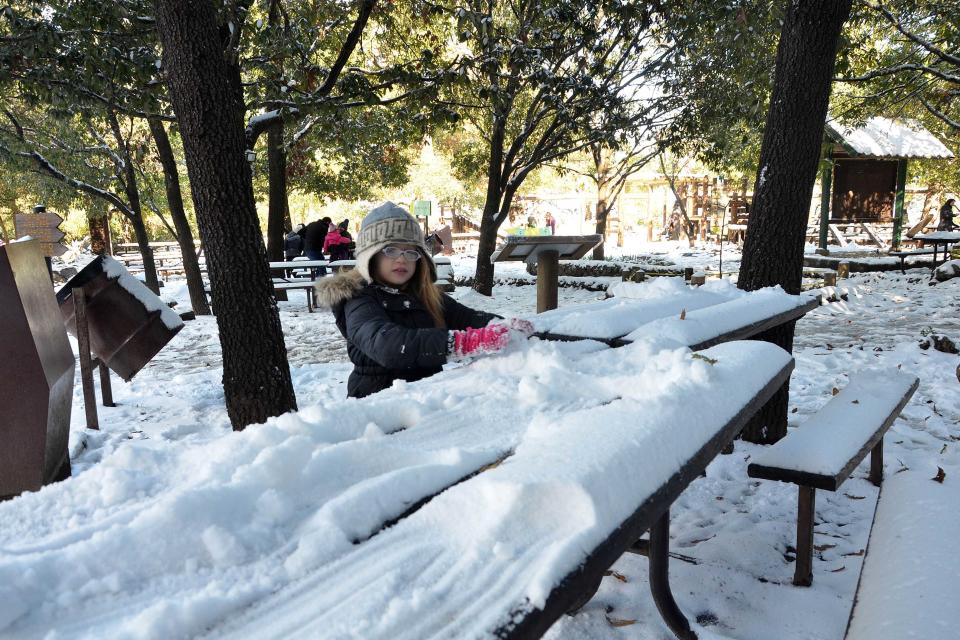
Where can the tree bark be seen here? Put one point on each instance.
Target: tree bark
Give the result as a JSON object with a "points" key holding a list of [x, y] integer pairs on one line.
{"points": [[278, 210], [789, 155], [204, 90], [132, 191], [492, 206], [171, 180], [601, 166]]}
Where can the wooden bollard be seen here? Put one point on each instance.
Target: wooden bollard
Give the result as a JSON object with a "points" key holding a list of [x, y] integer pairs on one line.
{"points": [[687, 273], [634, 274], [843, 269], [830, 279], [698, 278]]}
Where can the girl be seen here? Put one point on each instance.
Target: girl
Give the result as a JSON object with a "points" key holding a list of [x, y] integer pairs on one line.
{"points": [[397, 324]]}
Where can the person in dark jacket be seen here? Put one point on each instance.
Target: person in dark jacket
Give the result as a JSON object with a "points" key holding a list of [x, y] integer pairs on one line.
{"points": [[397, 323], [313, 238], [344, 231], [946, 216]]}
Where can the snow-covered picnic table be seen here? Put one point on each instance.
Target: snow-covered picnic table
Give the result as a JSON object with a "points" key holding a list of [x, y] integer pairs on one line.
{"points": [[483, 502]]}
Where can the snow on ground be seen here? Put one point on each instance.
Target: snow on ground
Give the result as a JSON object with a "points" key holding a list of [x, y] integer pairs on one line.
{"points": [[156, 537]]}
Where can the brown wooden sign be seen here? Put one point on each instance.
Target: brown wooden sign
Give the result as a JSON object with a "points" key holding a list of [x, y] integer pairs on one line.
{"points": [[43, 227]]}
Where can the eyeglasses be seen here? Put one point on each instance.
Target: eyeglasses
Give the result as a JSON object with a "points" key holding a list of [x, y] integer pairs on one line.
{"points": [[395, 252]]}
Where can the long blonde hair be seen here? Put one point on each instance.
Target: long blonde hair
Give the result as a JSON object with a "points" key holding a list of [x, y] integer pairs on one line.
{"points": [[422, 287]]}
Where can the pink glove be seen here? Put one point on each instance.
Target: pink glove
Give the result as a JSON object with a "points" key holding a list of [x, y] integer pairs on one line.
{"points": [[471, 342]]}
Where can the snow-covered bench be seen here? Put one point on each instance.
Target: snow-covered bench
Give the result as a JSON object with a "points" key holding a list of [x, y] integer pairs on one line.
{"points": [[822, 453], [903, 255]]}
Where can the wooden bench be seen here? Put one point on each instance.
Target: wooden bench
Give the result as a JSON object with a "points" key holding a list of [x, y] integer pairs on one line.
{"points": [[903, 255], [822, 452]]}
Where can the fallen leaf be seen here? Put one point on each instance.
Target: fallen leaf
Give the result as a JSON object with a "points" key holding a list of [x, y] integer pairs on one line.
{"points": [[854, 553], [942, 449], [706, 359], [855, 402], [617, 622], [614, 574], [835, 391], [794, 410], [823, 547], [852, 497], [683, 314], [838, 570], [941, 474]]}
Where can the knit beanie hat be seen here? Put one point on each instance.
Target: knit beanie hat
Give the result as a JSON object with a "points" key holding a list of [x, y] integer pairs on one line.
{"points": [[388, 224]]}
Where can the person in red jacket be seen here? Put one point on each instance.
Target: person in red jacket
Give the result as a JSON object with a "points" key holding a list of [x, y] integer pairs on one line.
{"points": [[335, 245]]}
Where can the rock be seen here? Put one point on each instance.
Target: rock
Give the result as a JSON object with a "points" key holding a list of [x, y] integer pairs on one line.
{"points": [[944, 344], [188, 315], [947, 271]]}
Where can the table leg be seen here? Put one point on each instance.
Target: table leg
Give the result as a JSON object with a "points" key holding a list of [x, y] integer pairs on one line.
{"points": [[548, 267], [660, 583]]}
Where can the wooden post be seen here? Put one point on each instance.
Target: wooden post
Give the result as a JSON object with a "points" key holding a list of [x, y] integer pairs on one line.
{"points": [[843, 269], [898, 212], [106, 391], [876, 463], [86, 363], [548, 267], [826, 191], [807, 503], [830, 279]]}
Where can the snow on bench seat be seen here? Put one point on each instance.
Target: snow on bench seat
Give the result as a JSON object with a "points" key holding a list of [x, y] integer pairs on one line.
{"points": [[735, 319], [495, 556], [823, 451]]}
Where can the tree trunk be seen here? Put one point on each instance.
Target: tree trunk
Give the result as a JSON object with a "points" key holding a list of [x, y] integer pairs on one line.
{"points": [[204, 91], [278, 211], [603, 211], [483, 280], [171, 180], [789, 155], [132, 191]]}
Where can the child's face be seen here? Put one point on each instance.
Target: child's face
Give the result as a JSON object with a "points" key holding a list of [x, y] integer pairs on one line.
{"points": [[397, 271]]}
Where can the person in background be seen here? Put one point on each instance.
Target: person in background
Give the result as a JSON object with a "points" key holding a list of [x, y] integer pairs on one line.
{"points": [[398, 325], [335, 245], [344, 231], [314, 236], [946, 216], [293, 243], [551, 223]]}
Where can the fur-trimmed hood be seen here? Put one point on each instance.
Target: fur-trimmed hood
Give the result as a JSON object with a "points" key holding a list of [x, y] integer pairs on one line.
{"points": [[331, 291]]}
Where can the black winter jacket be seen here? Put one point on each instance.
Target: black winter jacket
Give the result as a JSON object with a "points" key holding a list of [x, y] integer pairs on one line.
{"points": [[390, 334]]}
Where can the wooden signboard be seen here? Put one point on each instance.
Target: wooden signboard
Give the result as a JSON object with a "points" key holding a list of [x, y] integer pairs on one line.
{"points": [[43, 227]]}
